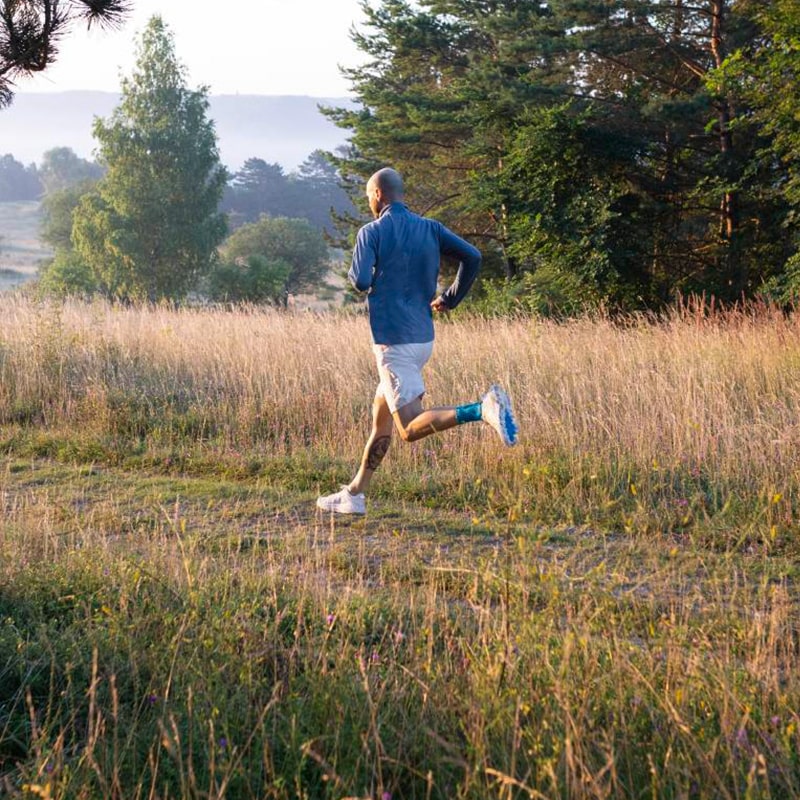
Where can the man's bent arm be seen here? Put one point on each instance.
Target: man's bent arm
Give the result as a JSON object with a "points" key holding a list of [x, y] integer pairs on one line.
{"points": [[469, 258], [364, 258]]}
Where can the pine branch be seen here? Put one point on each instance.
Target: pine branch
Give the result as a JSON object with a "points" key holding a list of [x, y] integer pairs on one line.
{"points": [[30, 31], [109, 14]]}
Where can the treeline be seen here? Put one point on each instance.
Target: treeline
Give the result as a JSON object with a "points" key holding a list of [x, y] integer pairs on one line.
{"points": [[620, 152], [18, 182], [312, 192], [60, 168]]}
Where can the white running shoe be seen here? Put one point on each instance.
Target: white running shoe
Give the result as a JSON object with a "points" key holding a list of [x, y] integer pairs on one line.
{"points": [[342, 502], [496, 411]]}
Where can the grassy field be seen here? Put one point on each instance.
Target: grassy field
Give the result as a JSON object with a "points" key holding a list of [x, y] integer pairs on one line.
{"points": [[609, 609], [20, 248]]}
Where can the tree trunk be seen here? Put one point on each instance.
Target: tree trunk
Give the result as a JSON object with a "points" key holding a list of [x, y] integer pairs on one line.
{"points": [[729, 203], [510, 265]]}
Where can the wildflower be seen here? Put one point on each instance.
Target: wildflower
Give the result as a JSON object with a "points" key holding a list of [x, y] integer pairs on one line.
{"points": [[48, 767], [375, 657], [330, 619], [741, 738], [386, 796], [152, 699], [399, 637], [775, 721], [223, 742]]}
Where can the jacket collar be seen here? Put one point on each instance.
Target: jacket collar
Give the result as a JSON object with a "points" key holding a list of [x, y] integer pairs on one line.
{"points": [[393, 207]]}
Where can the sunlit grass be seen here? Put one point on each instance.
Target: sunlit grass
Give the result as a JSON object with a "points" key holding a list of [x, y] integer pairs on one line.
{"points": [[607, 610]]}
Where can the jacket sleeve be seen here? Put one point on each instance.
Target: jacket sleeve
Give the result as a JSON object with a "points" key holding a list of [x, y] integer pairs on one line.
{"points": [[469, 259], [365, 257]]}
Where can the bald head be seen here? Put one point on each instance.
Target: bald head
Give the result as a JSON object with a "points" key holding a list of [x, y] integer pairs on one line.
{"points": [[383, 188], [388, 180]]}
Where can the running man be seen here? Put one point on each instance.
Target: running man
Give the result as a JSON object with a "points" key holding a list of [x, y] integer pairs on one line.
{"points": [[396, 260]]}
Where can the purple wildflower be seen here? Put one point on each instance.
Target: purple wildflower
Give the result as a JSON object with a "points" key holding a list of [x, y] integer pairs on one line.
{"points": [[742, 739]]}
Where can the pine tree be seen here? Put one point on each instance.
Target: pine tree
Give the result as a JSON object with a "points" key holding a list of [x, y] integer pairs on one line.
{"points": [[151, 229], [458, 93], [260, 188]]}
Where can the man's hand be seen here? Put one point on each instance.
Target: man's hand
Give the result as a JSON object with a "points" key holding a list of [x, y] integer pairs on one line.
{"points": [[439, 305]]}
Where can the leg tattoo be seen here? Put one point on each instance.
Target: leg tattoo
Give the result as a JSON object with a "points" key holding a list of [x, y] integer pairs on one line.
{"points": [[377, 451]]}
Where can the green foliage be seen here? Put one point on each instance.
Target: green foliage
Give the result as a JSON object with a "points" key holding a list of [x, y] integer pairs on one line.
{"points": [[318, 186], [545, 292], [418, 113], [58, 208], [571, 207], [284, 241], [256, 280], [585, 137], [763, 76], [67, 274], [151, 229]]}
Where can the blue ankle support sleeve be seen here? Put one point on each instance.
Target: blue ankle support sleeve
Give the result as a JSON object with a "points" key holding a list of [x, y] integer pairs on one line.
{"points": [[469, 413]]}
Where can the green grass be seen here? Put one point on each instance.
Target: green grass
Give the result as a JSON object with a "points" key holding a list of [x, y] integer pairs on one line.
{"points": [[174, 633]]}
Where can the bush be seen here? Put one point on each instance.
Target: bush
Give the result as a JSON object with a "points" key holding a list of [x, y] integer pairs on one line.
{"points": [[256, 280], [67, 275], [547, 292], [294, 242]]}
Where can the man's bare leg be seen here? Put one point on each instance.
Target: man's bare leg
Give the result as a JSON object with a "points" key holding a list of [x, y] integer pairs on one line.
{"points": [[376, 447], [413, 422]]}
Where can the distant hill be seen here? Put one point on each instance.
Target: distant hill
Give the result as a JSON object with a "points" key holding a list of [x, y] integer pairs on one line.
{"points": [[282, 129]]}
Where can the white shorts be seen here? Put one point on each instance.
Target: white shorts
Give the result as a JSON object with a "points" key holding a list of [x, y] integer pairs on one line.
{"points": [[400, 370]]}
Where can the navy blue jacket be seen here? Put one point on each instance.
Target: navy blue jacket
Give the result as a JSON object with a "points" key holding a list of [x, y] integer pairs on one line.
{"points": [[396, 259]]}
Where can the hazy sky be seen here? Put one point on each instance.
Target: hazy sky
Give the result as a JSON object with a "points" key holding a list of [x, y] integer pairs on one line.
{"points": [[253, 47]]}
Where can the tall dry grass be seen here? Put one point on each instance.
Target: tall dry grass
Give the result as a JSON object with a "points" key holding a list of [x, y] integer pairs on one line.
{"points": [[642, 422]]}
